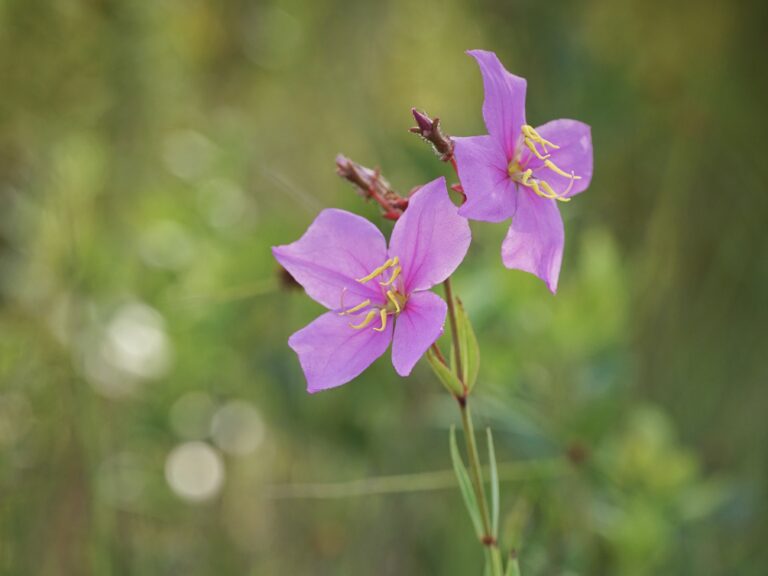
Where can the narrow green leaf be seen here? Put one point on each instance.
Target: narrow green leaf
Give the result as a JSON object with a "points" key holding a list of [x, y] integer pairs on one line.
{"points": [[494, 485], [444, 374], [465, 485], [470, 349], [513, 568]]}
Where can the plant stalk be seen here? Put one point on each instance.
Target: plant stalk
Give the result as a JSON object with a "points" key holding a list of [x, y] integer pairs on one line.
{"points": [[489, 538]]}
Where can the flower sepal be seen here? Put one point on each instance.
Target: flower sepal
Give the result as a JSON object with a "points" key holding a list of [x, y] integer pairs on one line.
{"points": [[446, 376], [470, 349]]}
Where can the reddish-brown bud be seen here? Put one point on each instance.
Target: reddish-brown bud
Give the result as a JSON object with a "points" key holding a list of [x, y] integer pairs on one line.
{"points": [[429, 129], [371, 185]]}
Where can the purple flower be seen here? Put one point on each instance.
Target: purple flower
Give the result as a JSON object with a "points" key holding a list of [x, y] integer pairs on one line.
{"points": [[521, 172], [375, 295]]}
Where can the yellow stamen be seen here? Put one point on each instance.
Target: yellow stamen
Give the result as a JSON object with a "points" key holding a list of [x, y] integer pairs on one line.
{"points": [[383, 316], [542, 188], [548, 192], [552, 166], [530, 133], [395, 274], [391, 296], [532, 148], [368, 319], [388, 264], [360, 306], [526, 175]]}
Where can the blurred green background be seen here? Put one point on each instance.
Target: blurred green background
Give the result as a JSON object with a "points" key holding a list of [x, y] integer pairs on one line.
{"points": [[153, 419]]}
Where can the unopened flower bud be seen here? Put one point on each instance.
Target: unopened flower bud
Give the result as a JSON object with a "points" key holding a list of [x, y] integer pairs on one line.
{"points": [[429, 129]]}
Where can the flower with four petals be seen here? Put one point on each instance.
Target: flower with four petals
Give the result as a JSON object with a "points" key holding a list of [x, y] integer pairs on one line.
{"points": [[375, 295], [520, 172]]}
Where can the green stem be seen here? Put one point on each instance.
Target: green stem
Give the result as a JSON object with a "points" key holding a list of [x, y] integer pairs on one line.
{"points": [[474, 468], [489, 538]]}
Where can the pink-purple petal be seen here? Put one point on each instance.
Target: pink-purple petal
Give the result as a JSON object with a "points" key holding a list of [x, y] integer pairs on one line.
{"points": [[338, 248], [535, 239], [416, 329], [332, 353], [483, 171], [504, 104], [575, 154], [430, 238]]}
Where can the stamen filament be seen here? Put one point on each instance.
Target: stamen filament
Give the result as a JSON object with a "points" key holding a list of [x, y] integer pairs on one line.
{"points": [[530, 132], [548, 192], [388, 264], [383, 316], [360, 306], [570, 185], [552, 166], [394, 301], [526, 176], [532, 148], [368, 319], [537, 184], [395, 274]]}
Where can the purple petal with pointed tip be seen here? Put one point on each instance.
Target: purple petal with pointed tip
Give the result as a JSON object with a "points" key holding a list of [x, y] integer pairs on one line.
{"points": [[535, 240], [336, 249], [332, 353], [575, 154], [482, 165], [416, 329], [504, 104], [430, 238]]}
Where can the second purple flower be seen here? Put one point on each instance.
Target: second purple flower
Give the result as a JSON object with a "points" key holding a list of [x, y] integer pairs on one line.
{"points": [[521, 172]]}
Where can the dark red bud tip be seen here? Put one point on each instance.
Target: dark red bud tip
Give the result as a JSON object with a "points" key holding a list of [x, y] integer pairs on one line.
{"points": [[424, 122], [429, 129]]}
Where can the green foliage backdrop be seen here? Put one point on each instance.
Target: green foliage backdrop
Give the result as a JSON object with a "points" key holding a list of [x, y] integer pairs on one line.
{"points": [[152, 417]]}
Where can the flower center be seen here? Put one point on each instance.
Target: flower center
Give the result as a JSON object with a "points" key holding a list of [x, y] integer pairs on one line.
{"points": [[396, 299], [532, 140]]}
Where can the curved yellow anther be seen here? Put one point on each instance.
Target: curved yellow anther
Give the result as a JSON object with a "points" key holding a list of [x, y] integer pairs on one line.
{"points": [[383, 316], [360, 306], [542, 187], [388, 264], [547, 189], [530, 133], [526, 175], [395, 274], [368, 319], [552, 166], [394, 301], [550, 193], [535, 185], [532, 148]]}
